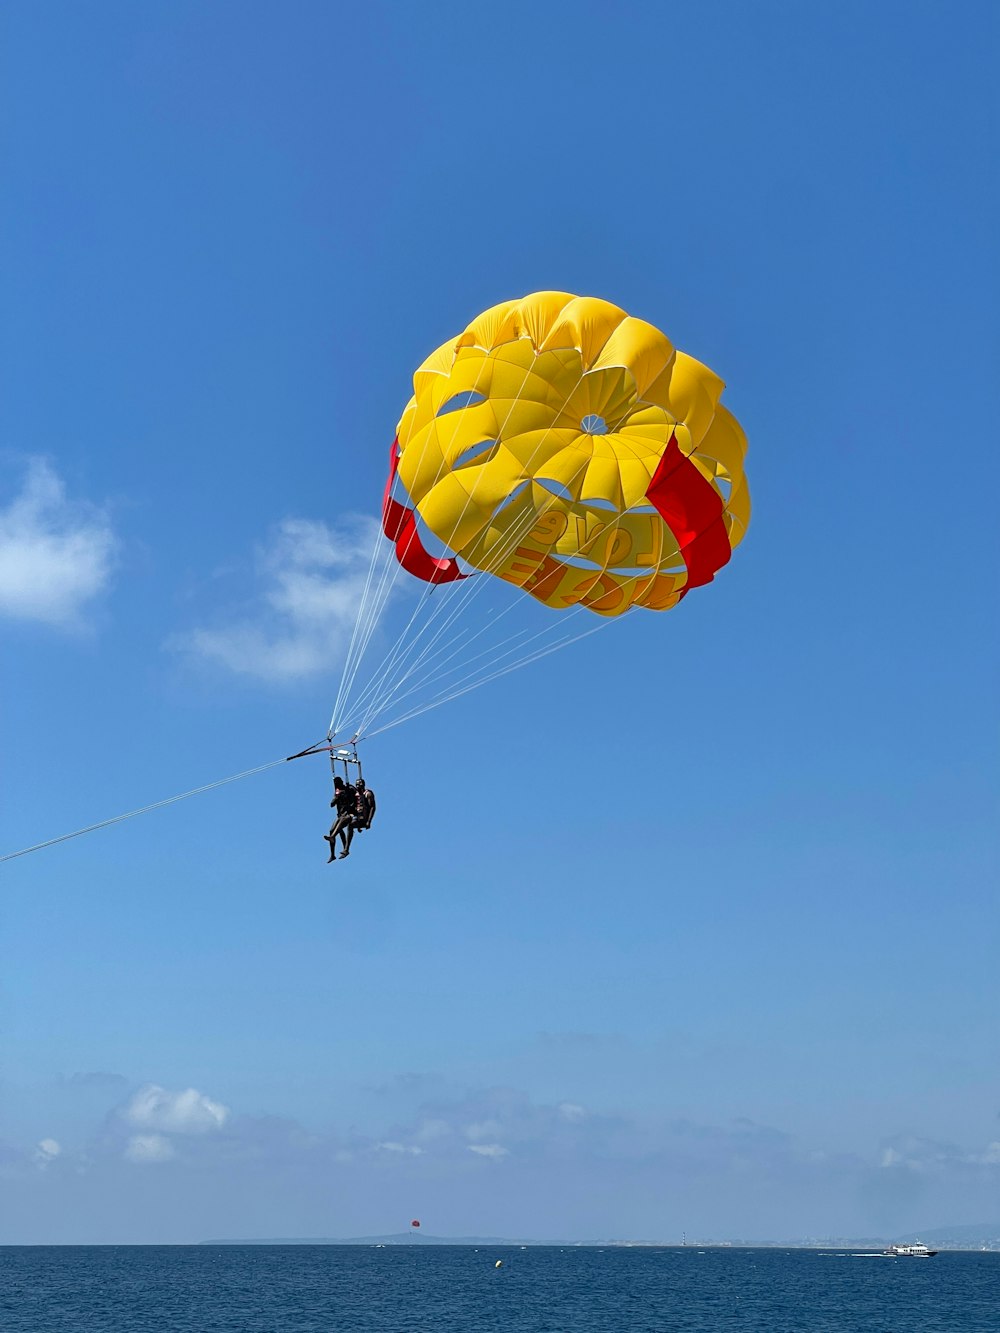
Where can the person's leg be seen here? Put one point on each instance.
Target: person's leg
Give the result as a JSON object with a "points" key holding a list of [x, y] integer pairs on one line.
{"points": [[349, 838], [331, 837]]}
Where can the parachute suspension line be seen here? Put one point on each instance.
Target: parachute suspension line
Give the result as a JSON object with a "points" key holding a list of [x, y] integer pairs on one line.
{"points": [[448, 611], [420, 660], [377, 547], [448, 608], [369, 695], [422, 655], [382, 595], [515, 666], [445, 689], [462, 602], [439, 670], [158, 805], [370, 607], [388, 662], [371, 613], [493, 653], [403, 644], [394, 566]]}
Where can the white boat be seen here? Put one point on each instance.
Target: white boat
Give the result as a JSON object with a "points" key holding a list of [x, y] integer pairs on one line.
{"points": [[918, 1250]]}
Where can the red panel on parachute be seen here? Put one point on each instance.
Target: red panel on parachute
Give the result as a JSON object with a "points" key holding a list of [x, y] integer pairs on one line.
{"points": [[692, 509], [399, 524]]}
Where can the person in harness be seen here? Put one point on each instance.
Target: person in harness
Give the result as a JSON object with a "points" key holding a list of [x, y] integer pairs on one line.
{"points": [[366, 806], [345, 798]]}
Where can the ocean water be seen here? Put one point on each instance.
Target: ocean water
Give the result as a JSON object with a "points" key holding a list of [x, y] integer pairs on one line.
{"points": [[459, 1289]]}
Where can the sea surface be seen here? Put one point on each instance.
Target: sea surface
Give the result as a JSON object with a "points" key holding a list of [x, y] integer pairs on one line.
{"points": [[459, 1289]]}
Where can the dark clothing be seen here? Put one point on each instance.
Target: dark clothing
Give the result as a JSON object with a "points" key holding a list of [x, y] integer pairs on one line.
{"points": [[345, 799]]}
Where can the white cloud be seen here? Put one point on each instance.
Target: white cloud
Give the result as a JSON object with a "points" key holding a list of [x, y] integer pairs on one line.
{"points": [[47, 1151], [430, 1130], [484, 1129], [312, 579], [149, 1148], [751, 1179], [927, 1156], [56, 554], [187, 1112]]}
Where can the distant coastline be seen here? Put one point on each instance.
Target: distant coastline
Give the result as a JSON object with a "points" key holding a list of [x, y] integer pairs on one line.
{"points": [[985, 1236]]}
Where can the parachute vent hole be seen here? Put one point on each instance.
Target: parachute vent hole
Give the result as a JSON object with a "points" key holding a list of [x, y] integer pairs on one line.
{"points": [[725, 487], [469, 398], [592, 424], [599, 503], [475, 453], [555, 488]]}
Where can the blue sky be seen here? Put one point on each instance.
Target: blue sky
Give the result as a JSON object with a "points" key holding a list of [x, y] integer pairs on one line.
{"points": [[690, 926]]}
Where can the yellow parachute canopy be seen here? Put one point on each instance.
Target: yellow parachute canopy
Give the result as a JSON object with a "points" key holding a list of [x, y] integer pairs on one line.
{"points": [[569, 449]]}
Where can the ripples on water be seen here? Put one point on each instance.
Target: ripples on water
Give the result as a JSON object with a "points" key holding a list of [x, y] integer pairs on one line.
{"points": [[458, 1289]]}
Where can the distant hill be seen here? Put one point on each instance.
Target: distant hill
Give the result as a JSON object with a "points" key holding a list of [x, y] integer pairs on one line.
{"points": [[960, 1238], [397, 1238], [978, 1236]]}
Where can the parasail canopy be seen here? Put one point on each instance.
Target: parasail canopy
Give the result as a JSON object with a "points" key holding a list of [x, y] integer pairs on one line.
{"points": [[568, 448]]}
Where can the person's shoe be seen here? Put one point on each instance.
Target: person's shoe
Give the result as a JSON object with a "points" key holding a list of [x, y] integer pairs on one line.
{"points": [[343, 854]]}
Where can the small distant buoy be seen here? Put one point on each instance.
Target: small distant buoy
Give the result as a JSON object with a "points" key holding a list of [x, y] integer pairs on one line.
{"points": [[498, 1264]]}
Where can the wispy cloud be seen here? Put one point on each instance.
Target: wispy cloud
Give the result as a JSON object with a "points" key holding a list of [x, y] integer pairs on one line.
{"points": [[47, 1151], [311, 578], [406, 1149], [584, 1171], [56, 554], [149, 1148], [187, 1112], [928, 1156]]}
